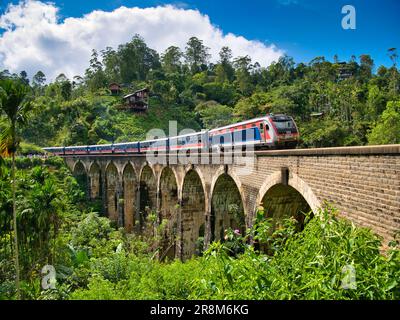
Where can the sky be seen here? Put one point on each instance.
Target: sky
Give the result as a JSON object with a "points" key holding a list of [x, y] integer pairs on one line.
{"points": [[58, 36]]}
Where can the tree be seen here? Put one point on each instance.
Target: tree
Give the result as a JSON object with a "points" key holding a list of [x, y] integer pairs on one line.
{"points": [[39, 79], [392, 53], [95, 76], [250, 107], [335, 58], [224, 70], [243, 76], [366, 65], [196, 54], [387, 129], [65, 86], [5, 74], [24, 77], [61, 78], [136, 59], [111, 64], [14, 103], [171, 59], [214, 114], [394, 84]]}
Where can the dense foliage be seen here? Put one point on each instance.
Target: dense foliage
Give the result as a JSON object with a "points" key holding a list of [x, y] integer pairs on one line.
{"points": [[329, 259], [334, 103]]}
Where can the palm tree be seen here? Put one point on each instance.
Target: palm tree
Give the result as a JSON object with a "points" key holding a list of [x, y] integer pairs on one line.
{"points": [[14, 103]]}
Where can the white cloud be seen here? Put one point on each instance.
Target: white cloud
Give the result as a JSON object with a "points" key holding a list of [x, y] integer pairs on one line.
{"points": [[36, 39]]}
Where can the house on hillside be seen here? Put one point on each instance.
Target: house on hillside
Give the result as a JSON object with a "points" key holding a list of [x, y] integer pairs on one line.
{"points": [[137, 101], [115, 88], [344, 71]]}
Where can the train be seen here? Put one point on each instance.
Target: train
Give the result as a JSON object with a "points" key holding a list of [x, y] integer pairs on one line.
{"points": [[273, 131]]}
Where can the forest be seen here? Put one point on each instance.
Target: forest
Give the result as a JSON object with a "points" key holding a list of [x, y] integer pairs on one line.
{"points": [[334, 104]]}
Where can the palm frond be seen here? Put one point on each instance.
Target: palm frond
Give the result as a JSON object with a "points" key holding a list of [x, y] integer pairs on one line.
{"points": [[14, 97], [9, 142]]}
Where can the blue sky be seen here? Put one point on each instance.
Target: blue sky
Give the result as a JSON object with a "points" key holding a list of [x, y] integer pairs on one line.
{"points": [[303, 29]]}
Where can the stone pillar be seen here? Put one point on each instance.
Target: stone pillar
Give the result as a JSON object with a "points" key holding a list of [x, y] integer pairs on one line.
{"points": [[88, 189], [157, 224], [104, 191], [207, 231], [138, 227], [179, 231], [120, 203]]}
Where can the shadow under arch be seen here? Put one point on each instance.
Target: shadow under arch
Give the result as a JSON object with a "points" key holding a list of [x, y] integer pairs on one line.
{"points": [[129, 186], [147, 194], [168, 194], [111, 191], [227, 207], [192, 214], [201, 177], [80, 174], [294, 181], [281, 200]]}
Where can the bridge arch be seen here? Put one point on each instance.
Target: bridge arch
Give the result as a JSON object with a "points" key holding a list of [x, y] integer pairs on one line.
{"points": [[201, 177], [281, 199], [79, 166], [193, 211], [147, 193], [129, 186], [168, 194], [227, 204], [80, 173], [146, 165], [112, 196]]}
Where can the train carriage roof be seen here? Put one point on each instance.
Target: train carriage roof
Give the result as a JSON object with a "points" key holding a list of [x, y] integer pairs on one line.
{"points": [[238, 124], [70, 147], [153, 140], [124, 143], [189, 134]]}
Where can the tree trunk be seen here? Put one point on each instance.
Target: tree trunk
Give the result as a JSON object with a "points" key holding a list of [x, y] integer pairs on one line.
{"points": [[16, 257]]}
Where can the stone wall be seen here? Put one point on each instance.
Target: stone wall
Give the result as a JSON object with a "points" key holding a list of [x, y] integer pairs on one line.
{"points": [[363, 183]]}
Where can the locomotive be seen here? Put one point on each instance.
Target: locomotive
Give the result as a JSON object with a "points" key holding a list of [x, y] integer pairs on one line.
{"points": [[268, 132]]}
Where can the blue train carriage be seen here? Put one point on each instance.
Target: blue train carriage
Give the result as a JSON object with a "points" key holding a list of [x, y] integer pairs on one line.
{"points": [[250, 132], [271, 131], [76, 150], [154, 145], [196, 141], [57, 151], [125, 147], [100, 148]]}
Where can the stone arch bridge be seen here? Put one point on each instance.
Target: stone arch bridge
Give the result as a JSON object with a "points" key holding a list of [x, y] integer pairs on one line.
{"points": [[200, 201]]}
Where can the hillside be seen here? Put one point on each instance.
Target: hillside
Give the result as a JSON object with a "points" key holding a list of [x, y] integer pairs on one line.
{"points": [[334, 103]]}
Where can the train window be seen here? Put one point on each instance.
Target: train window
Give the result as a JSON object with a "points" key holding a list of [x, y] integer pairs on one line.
{"points": [[262, 129], [256, 133], [244, 135]]}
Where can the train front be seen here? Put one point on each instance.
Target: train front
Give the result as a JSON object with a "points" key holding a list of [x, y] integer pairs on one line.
{"points": [[287, 133]]}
